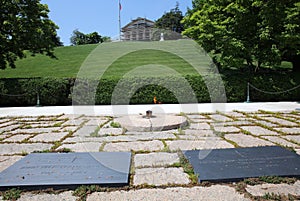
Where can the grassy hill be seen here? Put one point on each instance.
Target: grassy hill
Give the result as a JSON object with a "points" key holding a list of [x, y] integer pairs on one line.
{"points": [[149, 57], [68, 62]]}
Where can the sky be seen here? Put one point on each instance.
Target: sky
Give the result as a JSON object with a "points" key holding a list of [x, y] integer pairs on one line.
{"points": [[102, 16]]}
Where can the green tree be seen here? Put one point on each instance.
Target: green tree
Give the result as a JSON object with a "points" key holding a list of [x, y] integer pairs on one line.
{"points": [[25, 25], [106, 39], [171, 20], [79, 38], [254, 32]]}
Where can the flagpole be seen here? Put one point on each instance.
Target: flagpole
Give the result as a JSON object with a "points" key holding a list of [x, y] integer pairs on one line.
{"points": [[120, 20]]}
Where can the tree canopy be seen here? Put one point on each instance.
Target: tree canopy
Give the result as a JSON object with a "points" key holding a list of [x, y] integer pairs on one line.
{"points": [[79, 38], [25, 25], [253, 32], [171, 20]]}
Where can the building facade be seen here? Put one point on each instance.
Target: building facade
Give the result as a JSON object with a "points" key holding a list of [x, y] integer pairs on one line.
{"points": [[139, 29]]}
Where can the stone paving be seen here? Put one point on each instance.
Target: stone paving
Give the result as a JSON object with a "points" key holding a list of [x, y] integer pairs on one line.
{"points": [[157, 170]]}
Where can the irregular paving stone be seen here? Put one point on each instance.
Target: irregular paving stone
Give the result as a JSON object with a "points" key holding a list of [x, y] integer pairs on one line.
{"points": [[155, 159], [280, 141], [34, 130], [110, 131], [69, 116], [202, 120], [9, 128], [69, 128], [4, 136], [9, 123], [2, 121], [196, 116], [38, 125], [247, 140], [289, 130], [48, 118], [74, 122], [21, 148], [213, 193], [294, 138], [48, 137], [65, 196], [196, 137], [279, 189], [139, 137], [154, 145], [235, 114], [86, 131], [96, 122], [266, 123], [83, 139], [198, 145], [250, 119], [203, 126], [16, 138], [236, 123], [227, 129], [200, 133], [257, 130], [27, 119], [82, 147], [160, 176], [218, 117], [281, 121], [6, 161]]}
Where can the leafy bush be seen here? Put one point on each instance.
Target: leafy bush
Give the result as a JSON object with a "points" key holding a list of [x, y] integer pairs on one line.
{"points": [[138, 90], [23, 92]]}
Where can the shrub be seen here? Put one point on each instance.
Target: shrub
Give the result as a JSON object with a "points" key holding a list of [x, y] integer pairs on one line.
{"points": [[23, 92], [138, 90]]}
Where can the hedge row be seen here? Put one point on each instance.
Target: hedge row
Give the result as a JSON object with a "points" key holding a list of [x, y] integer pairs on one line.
{"points": [[190, 89]]}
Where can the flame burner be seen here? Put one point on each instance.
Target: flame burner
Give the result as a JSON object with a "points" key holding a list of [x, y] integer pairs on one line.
{"points": [[148, 114]]}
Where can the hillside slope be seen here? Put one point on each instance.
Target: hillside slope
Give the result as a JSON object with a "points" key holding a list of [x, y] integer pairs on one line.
{"points": [[114, 60]]}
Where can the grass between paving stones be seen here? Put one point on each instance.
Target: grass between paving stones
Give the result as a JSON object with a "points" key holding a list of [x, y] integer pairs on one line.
{"points": [[273, 196], [62, 150], [187, 168], [24, 153], [270, 180], [115, 124], [101, 148], [226, 115], [11, 194], [166, 147], [242, 185], [96, 131], [231, 142], [180, 131]]}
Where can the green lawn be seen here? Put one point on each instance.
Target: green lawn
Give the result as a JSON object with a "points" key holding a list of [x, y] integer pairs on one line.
{"points": [[127, 58], [69, 60]]}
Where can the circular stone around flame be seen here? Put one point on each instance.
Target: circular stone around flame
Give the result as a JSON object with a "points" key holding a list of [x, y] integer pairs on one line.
{"points": [[159, 122]]}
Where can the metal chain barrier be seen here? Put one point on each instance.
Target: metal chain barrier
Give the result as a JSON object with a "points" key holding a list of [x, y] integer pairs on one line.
{"points": [[13, 95], [20, 95], [267, 92], [274, 93]]}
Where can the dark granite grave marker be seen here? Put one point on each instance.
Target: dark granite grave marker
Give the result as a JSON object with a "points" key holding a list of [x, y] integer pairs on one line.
{"points": [[68, 170], [240, 163]]}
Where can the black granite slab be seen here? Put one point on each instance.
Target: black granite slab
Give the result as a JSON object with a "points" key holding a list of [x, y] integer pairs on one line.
{"points": [[222, 165], [68, 170]]}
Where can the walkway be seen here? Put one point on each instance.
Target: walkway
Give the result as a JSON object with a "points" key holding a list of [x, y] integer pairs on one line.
{"points": [[158, 171]]}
